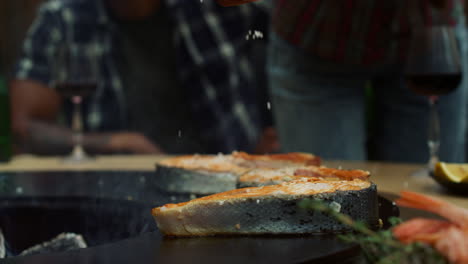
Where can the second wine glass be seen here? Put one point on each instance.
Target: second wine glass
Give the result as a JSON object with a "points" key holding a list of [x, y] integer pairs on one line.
{"points": [[76, 78], [433, 69]]}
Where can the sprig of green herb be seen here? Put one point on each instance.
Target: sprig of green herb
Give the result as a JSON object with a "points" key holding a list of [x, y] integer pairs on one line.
{"points": [[378, 246], [5, 183]]}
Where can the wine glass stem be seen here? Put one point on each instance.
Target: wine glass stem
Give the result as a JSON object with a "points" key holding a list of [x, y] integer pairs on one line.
{"points": [[434, 133], [77, 127]]}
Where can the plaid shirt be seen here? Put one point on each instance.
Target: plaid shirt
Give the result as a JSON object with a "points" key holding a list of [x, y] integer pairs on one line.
{"points": [[359, 32], [213, 64]]}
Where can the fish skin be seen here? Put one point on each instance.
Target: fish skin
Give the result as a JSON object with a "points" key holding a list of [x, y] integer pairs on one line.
{"points": [[195, 182]]}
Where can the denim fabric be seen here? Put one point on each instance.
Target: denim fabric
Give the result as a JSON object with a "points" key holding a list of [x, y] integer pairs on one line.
{"points": [[319, 107]]}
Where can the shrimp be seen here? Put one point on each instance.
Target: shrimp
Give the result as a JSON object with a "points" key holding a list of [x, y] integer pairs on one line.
{"points": [[453, 244], [455, 214], [420, 229], [450, 237]]}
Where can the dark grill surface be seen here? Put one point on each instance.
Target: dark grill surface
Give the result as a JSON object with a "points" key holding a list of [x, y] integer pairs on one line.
{"points": [[112, 212]]}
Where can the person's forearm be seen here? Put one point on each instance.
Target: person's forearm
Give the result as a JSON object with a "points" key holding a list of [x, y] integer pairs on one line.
{"points": [[51, 139], [234, 2], [134, 9]]}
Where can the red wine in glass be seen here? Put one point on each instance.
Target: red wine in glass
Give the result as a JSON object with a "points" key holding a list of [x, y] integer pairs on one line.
{"points": [[76, 92], [433, 84], [69, 90]]}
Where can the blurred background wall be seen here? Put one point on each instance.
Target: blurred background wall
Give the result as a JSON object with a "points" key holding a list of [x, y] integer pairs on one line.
{"points": [[15, 18]]}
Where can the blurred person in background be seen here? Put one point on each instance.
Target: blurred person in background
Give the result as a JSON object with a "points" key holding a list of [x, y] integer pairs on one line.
{"points": [[176, 76], [324, 52]]}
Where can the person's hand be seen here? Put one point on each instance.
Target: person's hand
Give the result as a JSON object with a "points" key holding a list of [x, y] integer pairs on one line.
{"points": [[233, 2], [268, 142], [135, 143]]}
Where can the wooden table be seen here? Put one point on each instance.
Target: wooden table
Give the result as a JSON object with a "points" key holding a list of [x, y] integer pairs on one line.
{"points": [[389, 177], [395, 177]]}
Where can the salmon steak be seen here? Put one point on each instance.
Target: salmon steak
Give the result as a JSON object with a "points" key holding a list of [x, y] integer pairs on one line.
{"points": [[268, 176], [208, 174], [270, 209]]}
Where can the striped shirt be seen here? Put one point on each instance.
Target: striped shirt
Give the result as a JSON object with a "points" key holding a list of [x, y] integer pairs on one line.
{"points": [[358, 32], [212, 59]]}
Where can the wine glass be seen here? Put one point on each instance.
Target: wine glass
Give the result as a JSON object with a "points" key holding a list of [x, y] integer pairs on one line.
{"points": [[75, 78], [433, 69]]}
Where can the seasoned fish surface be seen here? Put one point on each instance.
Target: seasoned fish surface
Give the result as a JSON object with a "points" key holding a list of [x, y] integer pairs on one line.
{"points": [[207, 174], [263, 177]]}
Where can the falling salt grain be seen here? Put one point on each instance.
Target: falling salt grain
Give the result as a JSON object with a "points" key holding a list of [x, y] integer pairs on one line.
{"points": [[406, 185], [258, 201], [19, 190], [179, 133], [254, 34], [268, 105], [258, 34]]}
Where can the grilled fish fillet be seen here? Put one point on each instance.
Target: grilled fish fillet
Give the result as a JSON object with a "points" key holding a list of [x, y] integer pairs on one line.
{"points": [[270, 209], [207, 174], [263, 177], [332, 174], [275, 160]]}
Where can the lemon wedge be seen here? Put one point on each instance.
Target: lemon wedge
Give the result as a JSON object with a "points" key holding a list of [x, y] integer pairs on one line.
{"points": [[452, 172]]}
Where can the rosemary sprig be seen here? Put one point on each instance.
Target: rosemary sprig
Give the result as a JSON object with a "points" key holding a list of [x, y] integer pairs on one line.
{"points": [[378, 246]]}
